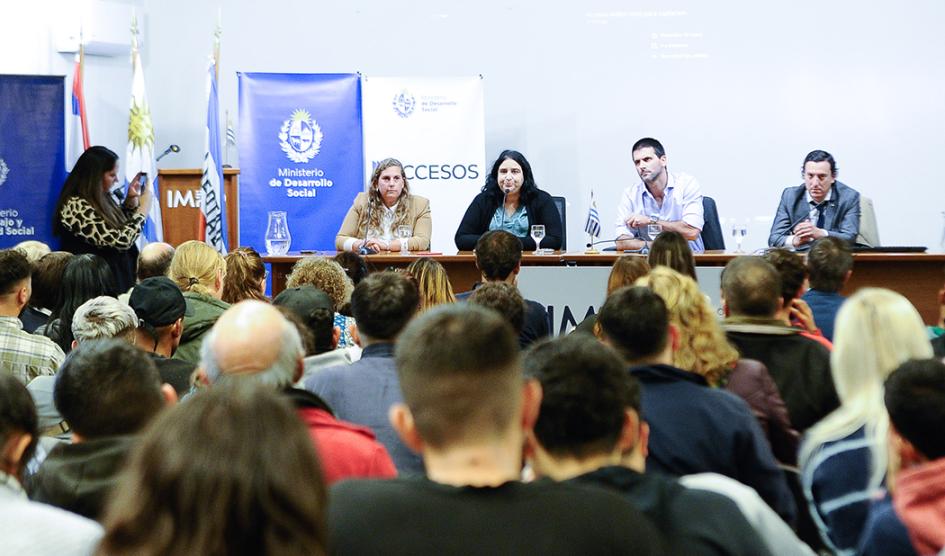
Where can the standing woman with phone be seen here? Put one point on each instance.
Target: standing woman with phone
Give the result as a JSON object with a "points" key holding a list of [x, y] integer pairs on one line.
{"points": [[89, 220]]}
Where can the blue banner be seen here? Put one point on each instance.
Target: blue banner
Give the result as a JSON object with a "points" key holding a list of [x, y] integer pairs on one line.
{"points": [[300, 152], [32, 156]]}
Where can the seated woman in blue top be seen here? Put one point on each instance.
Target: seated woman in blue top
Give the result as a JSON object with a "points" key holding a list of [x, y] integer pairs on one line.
{"points": [[524, 205]]}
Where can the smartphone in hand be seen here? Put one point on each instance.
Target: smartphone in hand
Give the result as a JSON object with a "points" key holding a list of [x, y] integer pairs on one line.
{"points": [[143, 181]]}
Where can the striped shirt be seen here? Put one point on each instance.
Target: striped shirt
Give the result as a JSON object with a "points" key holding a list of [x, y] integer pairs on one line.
{"points": [[24, 355]]}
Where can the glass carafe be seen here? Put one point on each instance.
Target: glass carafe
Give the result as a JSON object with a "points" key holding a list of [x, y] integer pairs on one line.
{"points": [[278, 238]]}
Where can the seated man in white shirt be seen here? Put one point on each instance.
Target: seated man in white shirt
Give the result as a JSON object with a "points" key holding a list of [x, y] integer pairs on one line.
{"points": [[672, 201]]}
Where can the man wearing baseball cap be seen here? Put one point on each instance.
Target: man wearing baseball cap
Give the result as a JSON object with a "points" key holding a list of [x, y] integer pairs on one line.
{"points": [[160, 307]]}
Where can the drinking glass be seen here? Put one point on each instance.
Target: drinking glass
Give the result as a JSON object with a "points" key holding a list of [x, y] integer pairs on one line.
{"points": [[278, 238], [739, 231], [404, 233], [654, 230], [538, 233]]}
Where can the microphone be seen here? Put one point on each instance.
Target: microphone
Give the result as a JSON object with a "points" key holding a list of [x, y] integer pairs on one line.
{"points": [[641, 250], [598, 242], [167, 151], [119, 194]]}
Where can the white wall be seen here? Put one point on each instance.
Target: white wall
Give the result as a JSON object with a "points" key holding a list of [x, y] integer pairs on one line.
{"points": [[738, 91]]}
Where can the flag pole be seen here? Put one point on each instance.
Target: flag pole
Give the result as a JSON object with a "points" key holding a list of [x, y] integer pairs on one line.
{"points": [[85, 129]]}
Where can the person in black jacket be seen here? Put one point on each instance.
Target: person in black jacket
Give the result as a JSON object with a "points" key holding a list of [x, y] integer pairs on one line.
{"points": [[88, 220], [510, 201], [589, 431]]}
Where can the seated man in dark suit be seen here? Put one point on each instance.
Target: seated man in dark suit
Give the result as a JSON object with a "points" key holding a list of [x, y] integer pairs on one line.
{"points": [[821, 206], [693, 428], [499, 259], [467, 409]]}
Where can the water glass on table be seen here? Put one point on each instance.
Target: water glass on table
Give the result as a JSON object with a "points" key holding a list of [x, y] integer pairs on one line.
{"points": [[538, 233], [654, 229], [404, 233], [739, 231]]}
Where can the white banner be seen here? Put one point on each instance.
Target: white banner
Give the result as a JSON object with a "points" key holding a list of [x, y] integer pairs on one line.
{"points": [[435, 127]]}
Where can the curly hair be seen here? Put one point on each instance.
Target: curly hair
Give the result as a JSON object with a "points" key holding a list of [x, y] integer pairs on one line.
{"points": [[432, 281], [244, 272], [194, 267], [703, 348], [326, 275]]}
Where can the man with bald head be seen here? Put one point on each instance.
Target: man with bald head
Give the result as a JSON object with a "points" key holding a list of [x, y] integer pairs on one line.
{"points": [[751, 299], [252, 341], [153, 260]]}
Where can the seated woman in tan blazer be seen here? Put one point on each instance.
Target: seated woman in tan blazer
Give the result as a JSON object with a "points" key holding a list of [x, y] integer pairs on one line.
{"points": [[372, 221]]}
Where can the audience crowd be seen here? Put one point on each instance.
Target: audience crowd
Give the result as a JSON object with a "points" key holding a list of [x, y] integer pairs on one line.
{"points": [[378, 412]]}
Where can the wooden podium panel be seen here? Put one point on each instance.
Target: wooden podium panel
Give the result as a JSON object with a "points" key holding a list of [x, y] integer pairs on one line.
{"points": [[180, 200]]}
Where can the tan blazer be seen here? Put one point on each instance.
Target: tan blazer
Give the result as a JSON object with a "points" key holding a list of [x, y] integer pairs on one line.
{"points": [[418, 217]]}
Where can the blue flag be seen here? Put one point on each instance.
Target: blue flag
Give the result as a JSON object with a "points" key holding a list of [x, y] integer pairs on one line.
{"points": [[212, 202]]}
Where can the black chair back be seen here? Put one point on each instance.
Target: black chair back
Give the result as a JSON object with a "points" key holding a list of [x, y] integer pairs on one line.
{"points": [[712, 237], [562, 205]]}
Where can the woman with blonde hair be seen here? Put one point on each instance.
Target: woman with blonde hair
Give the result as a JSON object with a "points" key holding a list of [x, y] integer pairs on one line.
{"points": [[432, 281], [625, 271], [704, 350], [199, 272], [328, 276], [843, 457], [372, 221], [245, 276]]}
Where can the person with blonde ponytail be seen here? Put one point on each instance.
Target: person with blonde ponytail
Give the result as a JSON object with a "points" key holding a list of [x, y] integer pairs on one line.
{"points": [[373, 219], [199, 272], [843, 457]]}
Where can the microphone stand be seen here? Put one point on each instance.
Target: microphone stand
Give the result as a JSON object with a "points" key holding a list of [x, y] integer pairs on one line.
{"points": [[591, 244]]}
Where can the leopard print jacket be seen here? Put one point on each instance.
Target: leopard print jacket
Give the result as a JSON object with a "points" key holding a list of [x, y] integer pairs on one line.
{"points": [[79, 217]]}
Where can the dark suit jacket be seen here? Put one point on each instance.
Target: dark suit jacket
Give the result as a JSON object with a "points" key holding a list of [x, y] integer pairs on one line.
{"points": [[842, 216]]}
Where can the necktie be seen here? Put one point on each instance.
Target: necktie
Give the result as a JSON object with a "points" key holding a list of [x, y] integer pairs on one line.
{"points": [[821, 210]]}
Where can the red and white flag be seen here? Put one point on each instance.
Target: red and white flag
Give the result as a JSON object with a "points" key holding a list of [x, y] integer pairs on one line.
{"points": [[78, 122]]}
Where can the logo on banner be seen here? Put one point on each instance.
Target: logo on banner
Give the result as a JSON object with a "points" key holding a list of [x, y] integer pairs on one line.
{"points": [[300, 137], [4, 170], [404, 103]]}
